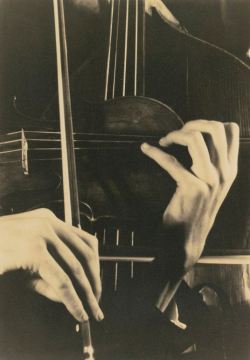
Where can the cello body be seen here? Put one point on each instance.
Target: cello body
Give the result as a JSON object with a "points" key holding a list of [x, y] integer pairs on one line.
{"points": [[195, 80]]}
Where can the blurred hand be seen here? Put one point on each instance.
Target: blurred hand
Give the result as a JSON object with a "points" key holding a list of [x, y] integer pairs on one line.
{"points": [[24, 244], [201, 191]]}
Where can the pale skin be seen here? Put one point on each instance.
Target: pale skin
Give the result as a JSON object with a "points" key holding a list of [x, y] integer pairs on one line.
{"points": [[25, 237], [199, 192]]}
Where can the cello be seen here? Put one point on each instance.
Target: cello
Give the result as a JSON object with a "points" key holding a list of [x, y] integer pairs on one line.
{"points": [[129, 134]]}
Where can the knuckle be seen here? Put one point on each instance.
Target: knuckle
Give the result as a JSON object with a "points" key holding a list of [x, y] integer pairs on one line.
{"points": [[39, 244], [47, 212], [47, 230], [233, 125], [94, 241], [235, 129], [99, 289], [189, 124], [96, 247], [172, 159], [64, 284], [77, 269], [202, 189], [214, 181], [38, 247], [89, 255], [216, 126], [196, 137]]}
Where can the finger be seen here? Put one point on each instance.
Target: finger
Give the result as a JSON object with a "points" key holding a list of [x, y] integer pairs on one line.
{"points": [[202, 166], [167, 162], [78, 272], [67, 234], [52, 273], [87, 245], [43, 288], [233, 141], [218, 146]]}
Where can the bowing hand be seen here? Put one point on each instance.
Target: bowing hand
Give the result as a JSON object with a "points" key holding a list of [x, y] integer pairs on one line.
{"points": [[35, 241]]}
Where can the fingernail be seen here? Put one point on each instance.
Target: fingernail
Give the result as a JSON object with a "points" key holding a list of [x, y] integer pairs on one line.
{"points": [[144, 146], [161, 141], [100, 315]]}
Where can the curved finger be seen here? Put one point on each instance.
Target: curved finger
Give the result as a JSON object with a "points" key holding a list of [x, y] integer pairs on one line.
{"points": [[202, 166], [91, 258], [218, 147], [53, 274], [167, 162], [80, 275]]}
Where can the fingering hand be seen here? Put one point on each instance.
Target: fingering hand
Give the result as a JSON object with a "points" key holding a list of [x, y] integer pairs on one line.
{"points": [[200, 191]]}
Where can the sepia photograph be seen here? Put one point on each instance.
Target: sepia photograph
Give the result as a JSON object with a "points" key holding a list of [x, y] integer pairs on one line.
{"points": [[124, 180]]}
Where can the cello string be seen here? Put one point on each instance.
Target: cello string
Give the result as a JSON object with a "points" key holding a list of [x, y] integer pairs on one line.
{"points": [[10, 141], [81, 148], [94, 134], [109, 51], [13, 133], [58, 149], [125, 50], [95, 140], [109, 142], [90, 141], [242, 138], [139, 141], [132, 263], [116, 49], [103, 243], [136, 48], [10, 151], [143, 47], [116, 264], [42, 132]]}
